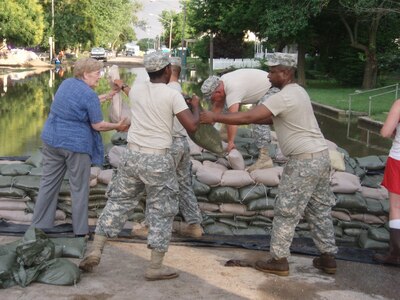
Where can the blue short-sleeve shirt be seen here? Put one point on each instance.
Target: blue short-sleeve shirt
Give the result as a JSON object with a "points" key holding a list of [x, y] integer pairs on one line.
{"points": [[75, 107]]}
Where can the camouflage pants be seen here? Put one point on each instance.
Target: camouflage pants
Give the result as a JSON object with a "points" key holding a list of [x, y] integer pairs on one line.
{"points": [[304, 190], [188, 206], [138, 172], [262, 133]]}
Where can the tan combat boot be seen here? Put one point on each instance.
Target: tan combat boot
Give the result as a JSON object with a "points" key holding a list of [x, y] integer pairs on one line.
{"points": [[93, 259], [140, 230], [191, 230], [274, 266], [264, 161], [156, 271]]}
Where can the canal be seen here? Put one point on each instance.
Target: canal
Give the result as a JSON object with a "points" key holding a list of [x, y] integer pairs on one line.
{"points": [[26, 96]]}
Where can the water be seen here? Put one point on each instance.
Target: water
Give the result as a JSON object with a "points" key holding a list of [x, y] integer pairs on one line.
{"points": [[26, 98]]}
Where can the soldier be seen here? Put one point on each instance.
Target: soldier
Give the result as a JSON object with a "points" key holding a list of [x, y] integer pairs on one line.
{"points": [[243, 86], [304, 188], [147, 165]]}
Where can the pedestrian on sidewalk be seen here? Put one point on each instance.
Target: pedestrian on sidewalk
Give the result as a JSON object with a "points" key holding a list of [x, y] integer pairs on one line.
{"points": [[304, 188]]}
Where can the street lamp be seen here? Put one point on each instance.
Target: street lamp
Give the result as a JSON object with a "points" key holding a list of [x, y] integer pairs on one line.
{"points": [[170, 28]]}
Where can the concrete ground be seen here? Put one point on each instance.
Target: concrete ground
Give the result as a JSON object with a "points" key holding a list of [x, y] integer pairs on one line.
{"points": [[203, 275]]}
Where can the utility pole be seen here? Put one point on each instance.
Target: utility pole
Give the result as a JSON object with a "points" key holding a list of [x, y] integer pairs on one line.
{"points": [[183, 53], [51, 42]]}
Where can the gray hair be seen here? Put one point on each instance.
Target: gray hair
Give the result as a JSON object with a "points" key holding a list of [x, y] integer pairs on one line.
{"points": [[86, 65]]}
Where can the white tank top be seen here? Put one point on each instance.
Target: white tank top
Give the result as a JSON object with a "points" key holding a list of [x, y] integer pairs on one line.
{"points": [[395, 150]]}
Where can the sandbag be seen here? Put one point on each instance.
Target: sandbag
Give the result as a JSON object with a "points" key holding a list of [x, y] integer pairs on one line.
{"points": [[367, 218], [105, 176], [250, 231], [218, 228], [199, 188], [340, 215], [374, 206], [224, 194], [233, 223], [366, 243], [15, 169], [236, 178], [379, 234], [59, 271], [205, 156], [12, 192], [269, 177], [204, 206], [252, 192], [371, 162], [207, 137], [35, 159], [209, 176], [342, 182], [337, 160], [372, 181], [264, 203], [353, 202], [236, 209], [195, 166], [5, 181], [119, 109], [115, 154], [236, 160], [380, 193], [214, 164]]}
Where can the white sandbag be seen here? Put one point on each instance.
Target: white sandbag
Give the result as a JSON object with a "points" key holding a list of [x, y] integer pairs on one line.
{"points": [[236, 178], [340, 215], [205, 206], [194, 148], [105, 176], [93, 182], [195, 166], [209, 176], [346, 183], [268, 177], [236, 209], [337, 160], [12, 205], [119, 109], [367, 218], [211, 164], [380, 193], [269, 213], [94, 172], [21, 216], [236, 160], [114, 155]]}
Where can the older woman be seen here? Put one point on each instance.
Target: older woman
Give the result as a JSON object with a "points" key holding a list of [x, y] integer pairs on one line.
{"points": [[71, 143]]}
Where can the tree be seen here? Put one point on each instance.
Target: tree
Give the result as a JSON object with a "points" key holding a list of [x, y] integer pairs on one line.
{"points": [[362, 19], [22, 22]]}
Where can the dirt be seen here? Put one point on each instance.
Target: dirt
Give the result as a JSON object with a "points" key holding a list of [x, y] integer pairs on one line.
{"points": [[203, 275]]}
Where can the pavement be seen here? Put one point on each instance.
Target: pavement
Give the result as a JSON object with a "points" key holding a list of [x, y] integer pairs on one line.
{"points": [[203, 275]]}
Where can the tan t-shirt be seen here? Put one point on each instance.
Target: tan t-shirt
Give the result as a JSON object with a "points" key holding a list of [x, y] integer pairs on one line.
{"points": [[153, 107], [295, 124], [178, 129], [245, 86]]}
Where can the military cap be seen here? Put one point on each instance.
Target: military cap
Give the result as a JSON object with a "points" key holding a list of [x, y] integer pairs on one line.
{"points": [[209, 86], [283, 59], [155, 61]]}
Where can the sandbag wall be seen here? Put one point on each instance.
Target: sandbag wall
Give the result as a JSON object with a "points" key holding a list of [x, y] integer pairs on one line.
{"points": [[232, 200]]}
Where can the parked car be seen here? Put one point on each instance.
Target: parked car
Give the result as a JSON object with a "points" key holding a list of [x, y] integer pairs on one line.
{"points": [[98, 53]]}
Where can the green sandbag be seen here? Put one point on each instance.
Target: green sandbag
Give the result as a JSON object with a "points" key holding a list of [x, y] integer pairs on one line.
{"points": [[71, 247], [199, 188], [59, 271], [224, 194], [15, 169], [380, 234], [353, 202], [251, 231], [263, 203], [218, 228], [208, 137], [5, 181], [233, 223], [251, 192], [36, 159], [12, 192], [366, 243]]}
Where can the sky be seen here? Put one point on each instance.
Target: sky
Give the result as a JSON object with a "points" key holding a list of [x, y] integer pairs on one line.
{"points": [[154, 7]]}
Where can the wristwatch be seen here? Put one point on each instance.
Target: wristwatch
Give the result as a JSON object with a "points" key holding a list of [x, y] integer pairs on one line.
{"points": [[124, 86]]}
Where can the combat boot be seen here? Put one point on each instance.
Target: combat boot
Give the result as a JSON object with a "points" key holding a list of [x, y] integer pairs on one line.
{"points": [[274, 266], [325, 262], [156, 271], [93, 259], [191, 230], [140, 230], [264, 161], [393, 256]]}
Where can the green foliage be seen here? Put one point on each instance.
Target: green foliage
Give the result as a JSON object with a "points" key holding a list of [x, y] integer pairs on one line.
{"points": [[22, 22]]}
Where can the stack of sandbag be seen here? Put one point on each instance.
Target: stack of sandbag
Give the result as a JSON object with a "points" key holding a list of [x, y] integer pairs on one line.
{"points": [[19, 185]]}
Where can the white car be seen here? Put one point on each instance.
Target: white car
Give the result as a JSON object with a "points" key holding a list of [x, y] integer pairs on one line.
{"points": [[98, 53]]}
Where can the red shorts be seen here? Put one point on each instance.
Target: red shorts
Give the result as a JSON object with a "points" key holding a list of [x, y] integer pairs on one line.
{"points": [[391, 178]]}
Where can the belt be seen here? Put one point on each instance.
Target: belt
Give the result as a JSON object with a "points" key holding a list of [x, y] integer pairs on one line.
{"points": [[136, 147], [310, 155]]}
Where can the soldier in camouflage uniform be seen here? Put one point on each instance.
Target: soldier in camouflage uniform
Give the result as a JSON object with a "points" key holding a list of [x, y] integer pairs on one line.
{"points": [[147, 165], [304, 189], [243, 86]]}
